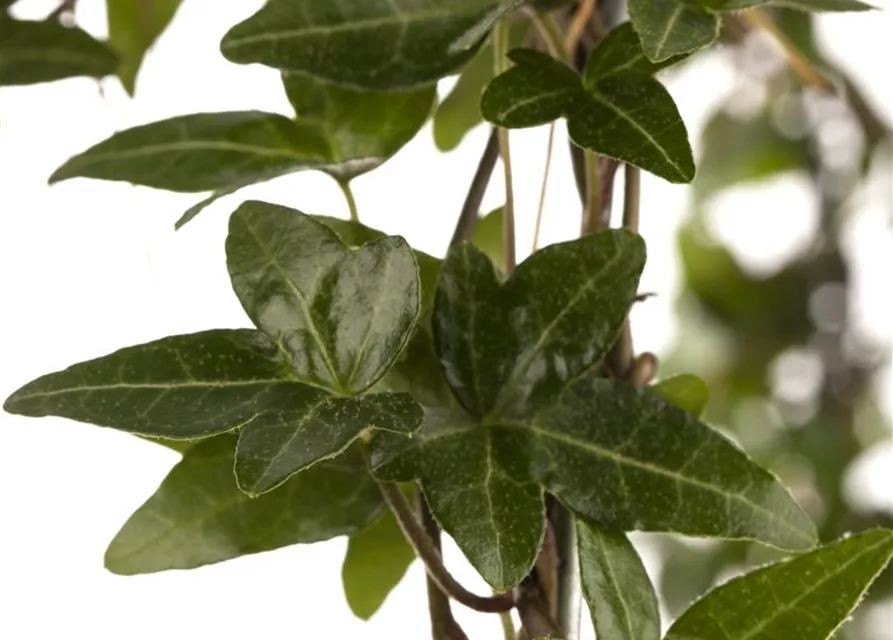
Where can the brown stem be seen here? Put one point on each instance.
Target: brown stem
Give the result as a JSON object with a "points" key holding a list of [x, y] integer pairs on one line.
{"points": [[471, 209], [443, 624], [430, 556], [533, 610]]}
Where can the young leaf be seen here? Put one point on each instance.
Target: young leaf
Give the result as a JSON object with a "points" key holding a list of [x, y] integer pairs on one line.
{"points": [[521, 343], [621, 51], [341, 316], [619, 593], [180, 387], [686, 391], [809, 596], [201, 152], [376, 560], [629, 460], [275, 446], [134, 25], [198, 516], [672, 27], [632, 117], [538, 90], [362, 129], [34, 52], [374, 44]]}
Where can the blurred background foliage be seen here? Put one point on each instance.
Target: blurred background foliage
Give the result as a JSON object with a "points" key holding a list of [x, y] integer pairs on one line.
{"points": [[790, 376]]}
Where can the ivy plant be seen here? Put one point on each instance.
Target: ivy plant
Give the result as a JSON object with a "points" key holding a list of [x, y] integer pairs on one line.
{"points": [[391, 396]]}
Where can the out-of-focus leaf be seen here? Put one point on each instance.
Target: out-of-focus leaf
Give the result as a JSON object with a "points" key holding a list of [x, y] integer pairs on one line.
{"points": [[134, 26], [488, 237], [686, 391]]}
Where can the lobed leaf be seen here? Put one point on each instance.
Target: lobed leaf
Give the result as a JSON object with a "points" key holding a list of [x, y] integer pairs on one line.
{"points": [[809, 596], [616, 587], [198, 516], [621, 52], [341, 316]]}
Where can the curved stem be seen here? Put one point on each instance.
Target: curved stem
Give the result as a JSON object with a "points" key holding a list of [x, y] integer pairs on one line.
{"points": [[550, 33], [471, 209], [432, 559], [351, 202], [585, 11], [550, 145]]}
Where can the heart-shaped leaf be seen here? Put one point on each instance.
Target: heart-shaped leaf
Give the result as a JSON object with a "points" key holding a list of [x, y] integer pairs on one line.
{"points": [[508, 346], [686, 391], [809, 596], [34, 52], [198, 516], [341, 316], [180, 387], [376, 560], [134, 26], [374, 44], [632, 461], [274, 446], [672, 27], [619, 593]]}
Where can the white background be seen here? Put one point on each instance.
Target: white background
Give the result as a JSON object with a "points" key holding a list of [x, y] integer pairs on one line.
{"points": [[89, 267]]}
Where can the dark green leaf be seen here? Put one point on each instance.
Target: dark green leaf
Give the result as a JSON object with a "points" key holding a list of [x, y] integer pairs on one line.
{"points": [[672, 27], [202, 152], [479, 31], [180, 387], [627, 459], [488, 237], [134, 26], [374, 44], [620, 51], [621, 599], [524, 342], [34, 52], [686, 391], [361, 128], [340, 315], [809, 596], [376, 560], [631, 117], [198, 516], [537, 91], [274, 446]]}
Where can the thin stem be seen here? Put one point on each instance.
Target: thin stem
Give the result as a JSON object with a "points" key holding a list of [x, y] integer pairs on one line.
{"points": [[500, 63], [568, 571], [443, 625], [632, 187], [432, 559], [351, 201], [508, 625], [534, 611], [550, 32], [593, 193], [550, 145], [796, 61], [585, 11], [471, 209]]}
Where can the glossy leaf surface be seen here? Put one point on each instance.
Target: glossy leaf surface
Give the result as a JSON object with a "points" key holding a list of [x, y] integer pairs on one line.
{"points": [[629, 460], [340, 315], [180, 387], [808, 597], [616, 587], [198, 516], [686, 391], [275, 446], [362, 129], [201, 152], [134, 26], [32, 52], [377, 559], [374, 44], [621, 51], [672, 27]]}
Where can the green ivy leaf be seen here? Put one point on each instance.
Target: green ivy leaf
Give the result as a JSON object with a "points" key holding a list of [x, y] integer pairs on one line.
{"points": [[632, 461], [198, 516], [488, 237], [616, 587], [377, 559], [34, 52], [812, 594], [632, 117], [134, 26], [507, 346], [476, 34], [624, 115], [672, 27], [275, 446], [621, 51], [179, 387], [375, 44], [341, 316], [362, 129], [686, 391]]}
